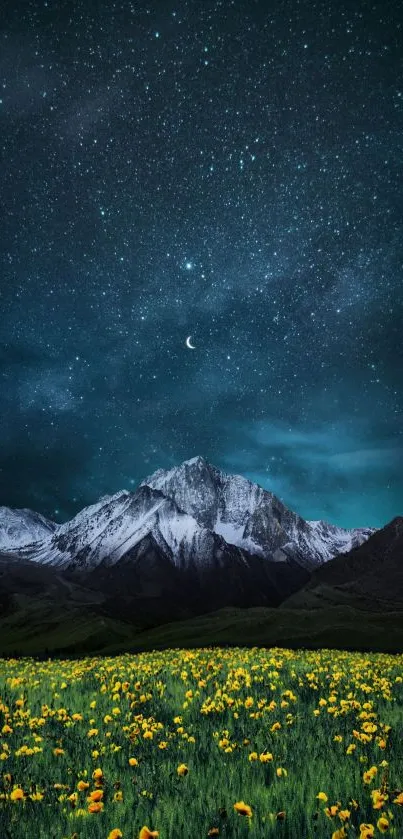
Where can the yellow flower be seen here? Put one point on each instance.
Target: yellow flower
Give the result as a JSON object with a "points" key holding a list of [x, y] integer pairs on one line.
{"points": [[96, 795], [344, 815], [265, 757], [276, 726], [97, 774], [243, 809], [369, 727], [96, 807], [58, 752], [252, 756], [6, 729], [339, 834], [17, 794], [321, 796], [366, 831], [378, 799], [182, 769], [383, 824], [281, 772], [133, 761], [118, 795], [369, 775], [214, 832], [115, 834], [146, 833], [82, 785], [399, 799]]}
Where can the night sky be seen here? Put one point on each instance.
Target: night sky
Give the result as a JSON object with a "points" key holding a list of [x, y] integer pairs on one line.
{"points": [[229, 170]]}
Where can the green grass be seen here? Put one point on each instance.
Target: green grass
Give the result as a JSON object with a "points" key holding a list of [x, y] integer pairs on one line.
{"points": [[39, 700]]}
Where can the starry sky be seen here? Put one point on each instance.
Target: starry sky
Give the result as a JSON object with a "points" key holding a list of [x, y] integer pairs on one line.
{"points": [[229, 170]]}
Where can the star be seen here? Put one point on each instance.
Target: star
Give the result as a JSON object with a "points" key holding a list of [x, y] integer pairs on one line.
{"points": [[161, 190]]}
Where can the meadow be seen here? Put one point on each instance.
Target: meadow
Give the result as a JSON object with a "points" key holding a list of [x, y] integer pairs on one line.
{"points": [[187, 744]]}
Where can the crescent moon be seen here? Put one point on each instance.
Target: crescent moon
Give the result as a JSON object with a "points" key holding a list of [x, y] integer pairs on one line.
{"points": [[188, 344]]}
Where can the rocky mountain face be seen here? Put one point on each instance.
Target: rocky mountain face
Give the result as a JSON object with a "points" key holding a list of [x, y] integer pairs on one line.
{"points": [[190, 539], [369, 577], [250, 517], [22, 527]]}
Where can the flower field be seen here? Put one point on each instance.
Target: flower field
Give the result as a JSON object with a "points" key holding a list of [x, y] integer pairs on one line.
{"points": [[212, 742]]}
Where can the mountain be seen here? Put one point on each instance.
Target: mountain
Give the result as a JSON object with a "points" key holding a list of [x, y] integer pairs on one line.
{"points": [[195, 514], [250, 517], [155, 558], [45, 610], [370, 577], [188, 541], [196, 557], [22, 527]]}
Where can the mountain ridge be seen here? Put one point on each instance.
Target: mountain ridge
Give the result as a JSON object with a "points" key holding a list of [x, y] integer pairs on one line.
{"points": [[192, 504], [187, 541], [149, 599], [370, 575]]}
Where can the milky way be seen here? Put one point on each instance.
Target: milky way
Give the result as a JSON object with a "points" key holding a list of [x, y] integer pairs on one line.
{"points": [[230, 171]]}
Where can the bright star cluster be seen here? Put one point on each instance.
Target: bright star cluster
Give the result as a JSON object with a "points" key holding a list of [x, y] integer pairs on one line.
{"points": [[222, 169]]}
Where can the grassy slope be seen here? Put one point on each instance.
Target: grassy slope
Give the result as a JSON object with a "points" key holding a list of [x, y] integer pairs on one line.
{"points": [[35, 631], [337, 627], [41, 628]]}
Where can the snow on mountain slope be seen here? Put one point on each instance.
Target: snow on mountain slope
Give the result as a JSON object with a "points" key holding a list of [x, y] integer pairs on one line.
{"points": [[248, 516], [329, 540], [193, 513], [109, 530], [186, 539], [22, 527]]}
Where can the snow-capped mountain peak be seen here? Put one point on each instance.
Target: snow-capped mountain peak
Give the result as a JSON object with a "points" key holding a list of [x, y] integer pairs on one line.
{"points": [[250, 517], [112, 530], [192, 513]]}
